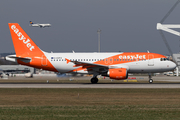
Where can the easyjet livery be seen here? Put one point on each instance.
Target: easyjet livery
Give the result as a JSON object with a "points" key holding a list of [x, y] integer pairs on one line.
{"points": [[113, 65]]}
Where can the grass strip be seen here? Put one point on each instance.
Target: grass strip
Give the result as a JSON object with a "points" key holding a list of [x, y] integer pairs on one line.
{"points": [[106, 104]]}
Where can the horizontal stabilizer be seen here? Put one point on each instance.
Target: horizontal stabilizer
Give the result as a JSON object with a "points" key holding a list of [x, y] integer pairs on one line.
{"points": [[13, 58]]}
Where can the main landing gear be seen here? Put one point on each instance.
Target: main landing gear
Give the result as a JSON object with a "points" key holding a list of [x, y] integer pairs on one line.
{"points": [[94, 80], [150, 78]]}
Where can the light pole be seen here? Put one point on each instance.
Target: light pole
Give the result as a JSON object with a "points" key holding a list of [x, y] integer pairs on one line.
{"points": [[99, 35]]}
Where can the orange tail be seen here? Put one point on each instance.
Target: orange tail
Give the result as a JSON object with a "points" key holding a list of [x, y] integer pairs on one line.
{"points": [[27, 52], [23, 44]]}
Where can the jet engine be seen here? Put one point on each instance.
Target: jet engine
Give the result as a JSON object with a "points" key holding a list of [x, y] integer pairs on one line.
{"points": [[118, 73]]}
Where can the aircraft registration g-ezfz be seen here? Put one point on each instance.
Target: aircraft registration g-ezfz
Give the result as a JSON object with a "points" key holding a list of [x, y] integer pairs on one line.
{"points": [[113, 65], [39, 25]]}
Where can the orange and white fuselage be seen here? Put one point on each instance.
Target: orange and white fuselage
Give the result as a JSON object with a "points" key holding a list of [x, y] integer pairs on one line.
{"points": [[115, 65], [133, 62]]}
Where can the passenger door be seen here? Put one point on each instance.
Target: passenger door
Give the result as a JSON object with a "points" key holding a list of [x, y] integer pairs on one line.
{"points": [[150, 60]]}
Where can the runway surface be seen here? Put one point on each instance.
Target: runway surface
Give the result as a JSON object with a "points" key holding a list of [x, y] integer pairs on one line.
{"points": [[136, 85], [84, 82]]}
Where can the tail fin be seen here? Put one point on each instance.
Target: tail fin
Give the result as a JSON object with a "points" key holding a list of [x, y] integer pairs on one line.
{"points": [[23, 44], [31, 22], [27, 52]]}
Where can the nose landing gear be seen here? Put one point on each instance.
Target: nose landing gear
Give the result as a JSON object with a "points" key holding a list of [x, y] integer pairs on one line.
{"points": [[150, 78]]}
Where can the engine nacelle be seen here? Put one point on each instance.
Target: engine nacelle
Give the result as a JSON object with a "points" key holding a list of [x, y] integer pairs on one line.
{"points": [[118, 73]]}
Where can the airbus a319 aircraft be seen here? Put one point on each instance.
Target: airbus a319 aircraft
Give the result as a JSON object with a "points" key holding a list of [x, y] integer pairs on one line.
{"points": [[114, 65], [39, 25]]}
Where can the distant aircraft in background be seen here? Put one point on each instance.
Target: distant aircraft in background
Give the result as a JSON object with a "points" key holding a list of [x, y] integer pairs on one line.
{"points": [[39, 25]]}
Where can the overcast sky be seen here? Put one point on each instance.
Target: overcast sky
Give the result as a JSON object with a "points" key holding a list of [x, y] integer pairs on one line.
{"points": [[127, 25]]}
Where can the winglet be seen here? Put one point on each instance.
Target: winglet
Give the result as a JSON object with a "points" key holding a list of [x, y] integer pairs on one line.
{"points": [[67, 60]]}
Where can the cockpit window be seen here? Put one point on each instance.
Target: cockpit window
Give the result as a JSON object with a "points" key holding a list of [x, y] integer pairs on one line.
{"points": [[164, 59]]}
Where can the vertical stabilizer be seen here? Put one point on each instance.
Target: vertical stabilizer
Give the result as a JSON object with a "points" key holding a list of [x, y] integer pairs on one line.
{"points": [[31, 22], [23, 44], [27, 52]]}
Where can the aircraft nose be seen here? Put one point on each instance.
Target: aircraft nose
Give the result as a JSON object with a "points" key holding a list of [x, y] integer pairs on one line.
{"points": [[172, 65]]}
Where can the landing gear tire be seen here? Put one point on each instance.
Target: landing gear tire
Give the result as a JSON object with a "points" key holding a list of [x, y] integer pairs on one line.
{"points": [[94, 80], [151, 81]]}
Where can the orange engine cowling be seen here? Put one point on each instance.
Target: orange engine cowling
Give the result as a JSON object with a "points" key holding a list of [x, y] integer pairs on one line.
{"points": [[118, 73]]}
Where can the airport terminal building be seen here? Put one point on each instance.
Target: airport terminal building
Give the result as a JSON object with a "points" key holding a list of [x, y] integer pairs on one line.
{"points": [[16, 69]]}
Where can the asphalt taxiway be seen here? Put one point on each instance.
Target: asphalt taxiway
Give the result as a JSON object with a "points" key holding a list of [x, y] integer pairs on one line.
{"points": [[136, 85], [84, 82]]}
